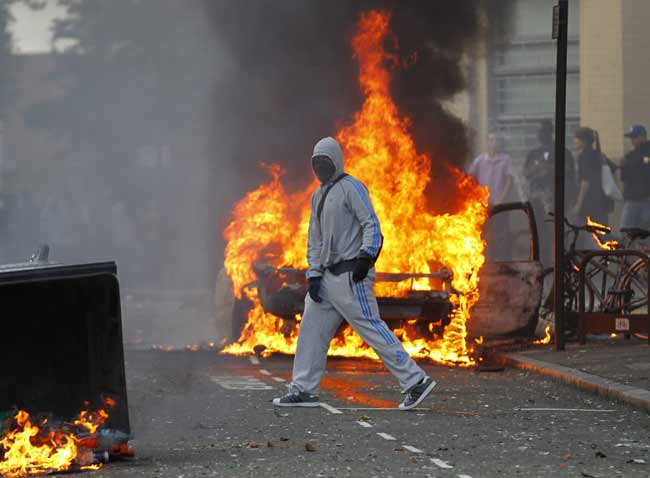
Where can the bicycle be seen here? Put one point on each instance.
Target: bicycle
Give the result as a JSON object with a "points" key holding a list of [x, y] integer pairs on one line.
{"points": [[633, 293], [634, 284], [612, 284]]}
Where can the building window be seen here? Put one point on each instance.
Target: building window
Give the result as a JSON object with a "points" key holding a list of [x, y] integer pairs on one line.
{"points": [[522, 75]]}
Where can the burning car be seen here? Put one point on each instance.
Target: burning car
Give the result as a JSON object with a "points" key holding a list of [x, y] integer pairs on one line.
{"points": [[432, 268], [510, 295]]}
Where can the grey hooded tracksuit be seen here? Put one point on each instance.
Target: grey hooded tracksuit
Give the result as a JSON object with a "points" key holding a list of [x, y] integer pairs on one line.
{"points": [[347, 227]]}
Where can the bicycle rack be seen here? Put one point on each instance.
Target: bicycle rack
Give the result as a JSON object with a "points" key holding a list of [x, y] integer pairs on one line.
{"points": [[604, 322]]}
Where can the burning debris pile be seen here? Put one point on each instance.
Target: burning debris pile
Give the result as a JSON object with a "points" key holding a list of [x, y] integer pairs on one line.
{"points": [[28, 448], [270, 223]]}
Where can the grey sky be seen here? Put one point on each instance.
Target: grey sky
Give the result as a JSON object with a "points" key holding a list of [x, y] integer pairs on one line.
{"points": [[31, 29]]}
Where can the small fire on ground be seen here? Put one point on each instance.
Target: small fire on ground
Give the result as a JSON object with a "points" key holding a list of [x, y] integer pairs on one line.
{"points": [[29, 448], [379, 150], [547, 336]]}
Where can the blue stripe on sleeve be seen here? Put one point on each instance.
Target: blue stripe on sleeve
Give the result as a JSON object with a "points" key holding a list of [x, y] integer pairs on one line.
{"points": [[363, 194]]}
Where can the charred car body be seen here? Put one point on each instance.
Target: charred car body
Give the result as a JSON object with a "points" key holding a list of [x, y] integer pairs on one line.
{"points": [[510, 294]]}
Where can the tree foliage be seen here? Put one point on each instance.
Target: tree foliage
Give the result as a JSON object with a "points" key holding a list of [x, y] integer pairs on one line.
{"points": [[132, 72]]}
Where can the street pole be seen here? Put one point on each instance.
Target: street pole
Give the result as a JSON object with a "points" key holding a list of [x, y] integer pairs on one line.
{"points": [[560, 26]]}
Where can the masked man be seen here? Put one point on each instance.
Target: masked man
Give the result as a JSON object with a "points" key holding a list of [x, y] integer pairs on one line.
{"points": [[344, 240]]}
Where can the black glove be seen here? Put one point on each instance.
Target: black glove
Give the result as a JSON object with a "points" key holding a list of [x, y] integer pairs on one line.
{"points": [[361, 268], [314, 287]]}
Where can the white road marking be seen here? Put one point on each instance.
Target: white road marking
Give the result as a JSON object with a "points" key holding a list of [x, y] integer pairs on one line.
{"points": [[254, 360], [240, 383], [331, 409], [364, 424], [464, 476], [596, 410], [386, 436], [440, 463], [412, 449], [278, 379], [265, 372]]}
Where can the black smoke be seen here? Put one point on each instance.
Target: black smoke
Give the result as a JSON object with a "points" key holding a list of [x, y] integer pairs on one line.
{"points": [[135, 136], [296, 80]]}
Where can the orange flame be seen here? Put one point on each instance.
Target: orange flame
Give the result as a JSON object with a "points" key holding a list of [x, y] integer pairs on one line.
{"points": [[22, 458], [378, 149], [91, 421], [607, 245], [29, 449], [547, 337]]}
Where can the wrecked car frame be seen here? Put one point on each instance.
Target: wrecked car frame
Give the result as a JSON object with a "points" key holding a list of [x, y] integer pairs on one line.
{"points": [[510, 294]]}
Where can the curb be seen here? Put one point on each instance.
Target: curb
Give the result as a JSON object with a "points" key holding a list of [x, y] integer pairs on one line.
{"points": [[637, 397]]}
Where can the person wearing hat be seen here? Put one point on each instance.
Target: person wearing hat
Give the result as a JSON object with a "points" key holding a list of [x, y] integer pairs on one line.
{"points": [[635, 176]]}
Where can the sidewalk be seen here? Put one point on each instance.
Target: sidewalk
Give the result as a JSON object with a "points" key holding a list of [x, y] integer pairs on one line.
{"points": [[611, 367]]}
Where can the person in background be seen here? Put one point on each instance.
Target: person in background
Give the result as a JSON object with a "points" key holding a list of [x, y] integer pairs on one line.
{"points": [[635, 175], [494, 170], [591, 200], [539, 171]]}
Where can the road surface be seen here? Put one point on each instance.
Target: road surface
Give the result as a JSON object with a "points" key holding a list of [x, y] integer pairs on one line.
{"points": [[197, 414]]}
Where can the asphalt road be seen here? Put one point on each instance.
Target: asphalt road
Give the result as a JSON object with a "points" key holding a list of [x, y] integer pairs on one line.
{"points": [[200, 414]]}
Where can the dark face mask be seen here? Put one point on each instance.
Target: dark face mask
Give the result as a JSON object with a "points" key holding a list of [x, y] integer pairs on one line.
{"points": [[323, 168]]}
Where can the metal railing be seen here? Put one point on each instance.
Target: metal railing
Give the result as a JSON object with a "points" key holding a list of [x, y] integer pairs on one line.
{"points": [[606, 317]]}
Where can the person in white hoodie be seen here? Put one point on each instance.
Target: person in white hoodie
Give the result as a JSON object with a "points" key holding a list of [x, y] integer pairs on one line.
{"points": [[344, 241]]}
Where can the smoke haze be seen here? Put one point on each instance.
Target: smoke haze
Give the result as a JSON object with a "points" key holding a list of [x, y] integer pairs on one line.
{"points": [[135, 137]]}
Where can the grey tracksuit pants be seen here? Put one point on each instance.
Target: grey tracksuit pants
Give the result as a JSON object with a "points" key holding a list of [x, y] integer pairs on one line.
{"points": [[356, 303]]}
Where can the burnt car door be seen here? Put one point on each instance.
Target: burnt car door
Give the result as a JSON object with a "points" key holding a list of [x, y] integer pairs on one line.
{"points": [[510, 290]]}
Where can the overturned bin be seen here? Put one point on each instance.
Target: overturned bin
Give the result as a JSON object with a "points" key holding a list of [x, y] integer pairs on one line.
{"points": [[61, 341]]}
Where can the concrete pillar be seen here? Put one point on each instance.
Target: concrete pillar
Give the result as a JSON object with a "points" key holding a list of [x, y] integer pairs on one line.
{"points": [[636, 62], [471, 105], [482, 97], [614, 68], [601, 71]]}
